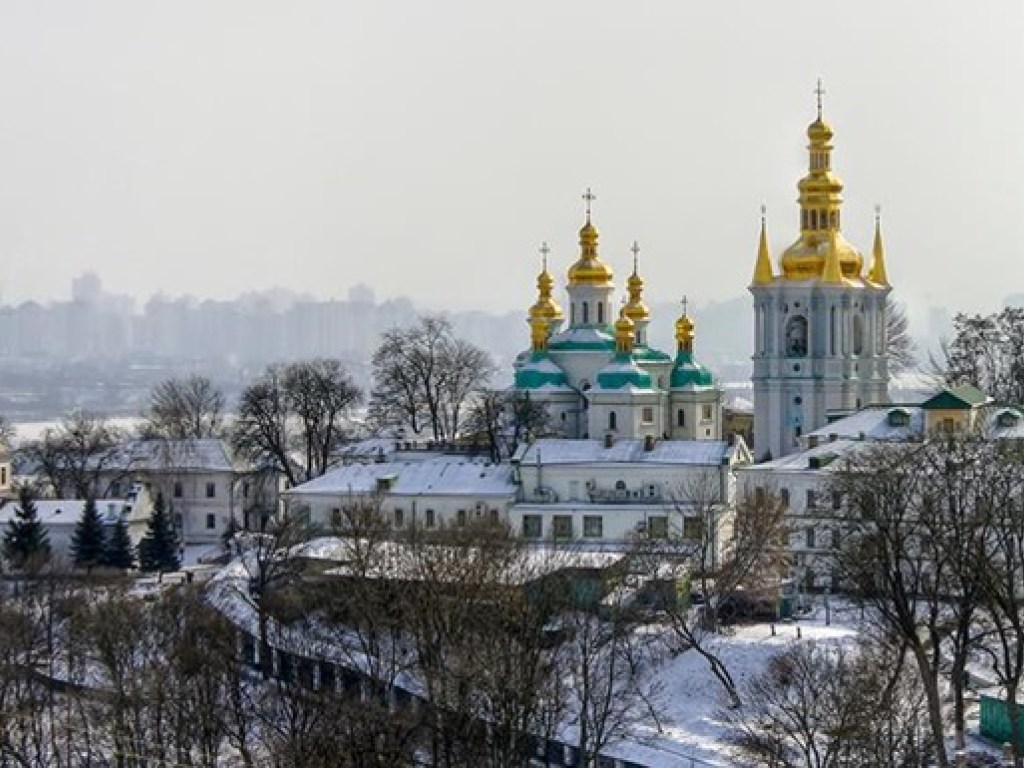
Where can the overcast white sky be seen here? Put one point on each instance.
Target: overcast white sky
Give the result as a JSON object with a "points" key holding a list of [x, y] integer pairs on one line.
{"points": [[426, 148]]}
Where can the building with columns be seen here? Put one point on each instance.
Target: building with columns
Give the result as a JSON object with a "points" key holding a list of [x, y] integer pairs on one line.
{"points": [[820, 316]]}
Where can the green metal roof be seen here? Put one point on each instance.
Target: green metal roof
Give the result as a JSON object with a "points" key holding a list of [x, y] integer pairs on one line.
{"points": [[688, 372], [959, 398], [622, 372], [538, 372]]}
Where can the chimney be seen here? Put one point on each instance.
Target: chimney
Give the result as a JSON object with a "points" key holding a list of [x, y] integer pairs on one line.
{"points": [[812, 441], [608, 440], [648, 443]]}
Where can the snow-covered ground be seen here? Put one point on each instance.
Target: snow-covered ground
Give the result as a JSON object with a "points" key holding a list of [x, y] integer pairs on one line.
{"points": [[693, 697]]}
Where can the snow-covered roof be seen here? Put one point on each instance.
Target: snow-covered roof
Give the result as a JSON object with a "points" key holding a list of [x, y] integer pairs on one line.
{"points": [[561, 451], [440, 476], [57, 512], [396, 560], [198, 455], [370, 449], [875, 423], [826, 456]]}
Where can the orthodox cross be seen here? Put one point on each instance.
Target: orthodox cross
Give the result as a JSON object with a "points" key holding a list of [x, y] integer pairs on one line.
{"points": [[636, 252], [819, 92], [544, 251], [589, 197], [684, 306]]}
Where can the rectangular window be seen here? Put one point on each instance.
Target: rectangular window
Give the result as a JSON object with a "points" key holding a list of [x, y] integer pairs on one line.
{"points": [[561, 526], [399, 517], [245, 490], [657, 527], [784, 497], [532, 526], [494, 516], [809, 537], [115, 490], [593, 526], [211, 522], [647, 415], [705, 412], [836, 541], [336, 517], [812, 498], [837, 500], [693, 528], [461, 517], [3, 475], [211, 490], [428, 518], [178, 489], [680, 418]]}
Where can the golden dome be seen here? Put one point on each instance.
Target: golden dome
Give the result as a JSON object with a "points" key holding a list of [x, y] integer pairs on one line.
{"points": [[684, 332], [589, 269], [821, 199], [624, 333], [635, 309], [545, 308], [538, 334]]}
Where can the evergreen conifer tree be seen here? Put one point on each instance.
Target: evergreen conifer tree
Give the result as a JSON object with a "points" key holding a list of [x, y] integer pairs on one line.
{"points": [[87, 540], [158, 550], [118, 552], [26, 540]]}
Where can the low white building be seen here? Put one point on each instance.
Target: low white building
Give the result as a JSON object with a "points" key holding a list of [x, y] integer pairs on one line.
{"points": [[60, 516], [801, 480], [203, 485], [615, 490], [428, 490]]}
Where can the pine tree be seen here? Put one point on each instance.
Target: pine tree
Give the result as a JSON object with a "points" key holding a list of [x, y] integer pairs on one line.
{"points": [[87, 540], [158, 550], [118, 552], [26, 540]]}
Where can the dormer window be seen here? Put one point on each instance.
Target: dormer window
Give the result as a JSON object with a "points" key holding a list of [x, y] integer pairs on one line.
{"points": [[898, 417], [1007, 419]]}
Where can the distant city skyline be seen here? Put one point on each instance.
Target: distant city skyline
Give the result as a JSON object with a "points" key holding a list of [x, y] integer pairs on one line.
{"points": [[212, 148]]}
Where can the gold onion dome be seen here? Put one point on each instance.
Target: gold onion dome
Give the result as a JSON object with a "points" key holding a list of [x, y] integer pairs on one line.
{"points": [[589, 269], [820, 201], [624, 333], [684, 332], [545, 308], [635, 309]]}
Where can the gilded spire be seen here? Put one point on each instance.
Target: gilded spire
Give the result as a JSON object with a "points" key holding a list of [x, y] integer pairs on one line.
{"points": [[545, 307], [684, 331], [832, 272], [624, 333], [637, 311], [589, 269], [763, 267], [878, 275], [820, 211]]}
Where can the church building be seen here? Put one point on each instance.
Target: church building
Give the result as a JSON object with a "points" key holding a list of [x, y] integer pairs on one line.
{"points": [[820, 318], [597, 375]]}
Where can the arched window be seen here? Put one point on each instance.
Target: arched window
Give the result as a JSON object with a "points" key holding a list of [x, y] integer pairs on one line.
{"points": [[858, 334], [680, 418], [796, 336], [612, 420]]}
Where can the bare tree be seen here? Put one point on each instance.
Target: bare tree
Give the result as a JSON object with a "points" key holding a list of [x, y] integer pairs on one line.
{"points": [[988, 352], [893, 564], [423, 377], [75, 456], [502, 420], [825, 706], [185, 408], [900, 346], [294, 417], [717, 562]]}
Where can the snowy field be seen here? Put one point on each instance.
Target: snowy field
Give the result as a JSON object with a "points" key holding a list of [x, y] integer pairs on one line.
{"points": [[692, 697]]}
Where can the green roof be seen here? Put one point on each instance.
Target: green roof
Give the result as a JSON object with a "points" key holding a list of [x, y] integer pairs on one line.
{"points": [[688, 372], [649, 353], [540, 371], [622, 372], [960, 398]]}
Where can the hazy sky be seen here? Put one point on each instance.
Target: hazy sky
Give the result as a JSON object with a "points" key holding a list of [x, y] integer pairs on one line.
{"points": [[426, 148]]}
